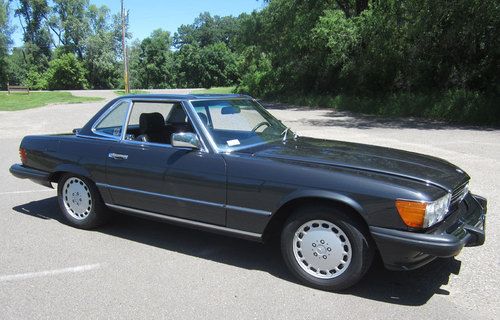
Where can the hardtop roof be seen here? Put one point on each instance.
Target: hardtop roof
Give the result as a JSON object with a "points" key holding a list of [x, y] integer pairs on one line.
{"points": [[186, 96]]}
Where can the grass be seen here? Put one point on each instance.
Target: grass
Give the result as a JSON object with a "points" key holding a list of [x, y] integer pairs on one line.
{"points": [[122, 92], [21, 101], [215, 90], [453, 106]]}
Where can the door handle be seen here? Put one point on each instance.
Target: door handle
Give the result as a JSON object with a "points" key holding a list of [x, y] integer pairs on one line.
{"points": [[118, 156]]}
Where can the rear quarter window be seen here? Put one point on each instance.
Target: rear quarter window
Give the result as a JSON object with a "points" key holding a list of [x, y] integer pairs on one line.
{"points": [[112, 123]]}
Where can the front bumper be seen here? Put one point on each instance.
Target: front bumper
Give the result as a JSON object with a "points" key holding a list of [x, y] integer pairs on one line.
{"points": [[405, 250], [37, 176]]}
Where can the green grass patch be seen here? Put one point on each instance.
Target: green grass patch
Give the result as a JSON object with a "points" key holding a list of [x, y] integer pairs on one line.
{"points": [[454, 106], [122, 92], [215, 90], [21, 101]]}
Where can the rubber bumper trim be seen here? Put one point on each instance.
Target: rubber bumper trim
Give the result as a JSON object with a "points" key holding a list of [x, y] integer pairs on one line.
{"points": [[38, 176], [442, 245]]}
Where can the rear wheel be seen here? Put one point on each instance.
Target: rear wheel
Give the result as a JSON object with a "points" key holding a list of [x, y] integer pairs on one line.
{"points": [[325, 248], [80, 202]]}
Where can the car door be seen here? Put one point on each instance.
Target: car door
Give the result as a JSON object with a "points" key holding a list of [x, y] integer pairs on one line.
{"points": [[160, 178]]}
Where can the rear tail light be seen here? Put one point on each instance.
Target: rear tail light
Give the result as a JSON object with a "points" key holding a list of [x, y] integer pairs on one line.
{"points": [[23, 155]]}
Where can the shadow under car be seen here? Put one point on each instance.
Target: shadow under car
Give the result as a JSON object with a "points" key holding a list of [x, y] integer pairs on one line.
{"points": [[411, 288]]}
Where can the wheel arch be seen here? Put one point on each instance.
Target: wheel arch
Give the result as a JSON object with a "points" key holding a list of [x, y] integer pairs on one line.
{"points": [[68, 168], [312, 197]]}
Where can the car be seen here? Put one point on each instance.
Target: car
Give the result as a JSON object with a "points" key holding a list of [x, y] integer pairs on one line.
{"points": [[223, 163]]}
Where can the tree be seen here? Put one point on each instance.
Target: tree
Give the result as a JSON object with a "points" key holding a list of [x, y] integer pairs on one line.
{"points": [[16, 67], [5, 42], [372, 47], [100, 57], [213, 65], [207, 30], [153, 64], [70, 23], [37, 39], [66, 72], [206, 54], [219, 66]]}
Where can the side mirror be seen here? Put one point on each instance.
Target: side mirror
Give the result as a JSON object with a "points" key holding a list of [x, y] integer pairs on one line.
{"points": [[186, 140]]}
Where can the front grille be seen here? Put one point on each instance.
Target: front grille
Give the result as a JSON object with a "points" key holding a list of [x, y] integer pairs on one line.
{"points": [[458, 195]]}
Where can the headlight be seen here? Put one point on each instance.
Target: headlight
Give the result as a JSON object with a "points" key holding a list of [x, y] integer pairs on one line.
{"points": [[418, 214], [435, 211]]}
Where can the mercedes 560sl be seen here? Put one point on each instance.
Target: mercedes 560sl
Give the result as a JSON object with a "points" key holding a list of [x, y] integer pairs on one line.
{"points": [[223, 163]]}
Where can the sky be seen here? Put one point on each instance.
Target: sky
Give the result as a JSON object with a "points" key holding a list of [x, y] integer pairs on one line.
{"points": [[148, 15]]}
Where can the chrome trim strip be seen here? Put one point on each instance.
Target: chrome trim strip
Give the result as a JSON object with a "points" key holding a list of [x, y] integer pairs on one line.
{"points": [[96, 137], [221, 97], [145, 144], [246, 234], [147, 99], [255, 211], [127, 118], [207, 203]]}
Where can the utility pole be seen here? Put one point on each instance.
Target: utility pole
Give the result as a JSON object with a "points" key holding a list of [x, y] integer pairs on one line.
{"points": [[124, 48]]}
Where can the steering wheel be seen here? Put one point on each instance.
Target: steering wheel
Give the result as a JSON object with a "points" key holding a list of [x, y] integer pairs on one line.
{"points": [[260, 124]]}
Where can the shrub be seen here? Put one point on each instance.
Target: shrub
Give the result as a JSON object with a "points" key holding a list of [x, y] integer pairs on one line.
{"points": [[66, 72], [35, 80], [455, 106]]}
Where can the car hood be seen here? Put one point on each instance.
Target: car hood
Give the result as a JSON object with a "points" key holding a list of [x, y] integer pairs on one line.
{"points": [[383, 160]]}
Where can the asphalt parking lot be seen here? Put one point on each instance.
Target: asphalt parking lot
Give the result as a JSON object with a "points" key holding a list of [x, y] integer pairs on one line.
{"points": [[135, 268]]}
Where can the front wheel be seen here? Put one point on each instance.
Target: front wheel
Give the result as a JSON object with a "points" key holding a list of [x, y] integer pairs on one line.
{"points": [[325, 248], [80, 202]]}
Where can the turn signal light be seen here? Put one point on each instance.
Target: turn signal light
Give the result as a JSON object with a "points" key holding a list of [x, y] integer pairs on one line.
{"points": [[23, 155], [412, 212]]}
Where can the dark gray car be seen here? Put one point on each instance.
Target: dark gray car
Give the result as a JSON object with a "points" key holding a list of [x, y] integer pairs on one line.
{"points": [[222, 163]]}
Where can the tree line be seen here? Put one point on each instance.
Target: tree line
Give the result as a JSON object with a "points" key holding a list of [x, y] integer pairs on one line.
{"points": [[330, 47], [73, 44], [372, 46]]}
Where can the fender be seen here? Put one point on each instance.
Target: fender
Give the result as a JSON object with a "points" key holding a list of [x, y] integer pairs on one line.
{"points": [[324, 194], [72, 168], [81, 171]]}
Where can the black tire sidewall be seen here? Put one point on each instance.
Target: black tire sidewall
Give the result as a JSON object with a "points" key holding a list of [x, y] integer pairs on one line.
{"points": [[362, 251], [95, 217]]}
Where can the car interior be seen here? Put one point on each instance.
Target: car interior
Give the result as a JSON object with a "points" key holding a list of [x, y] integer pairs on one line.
{"points": [[154, 128]]}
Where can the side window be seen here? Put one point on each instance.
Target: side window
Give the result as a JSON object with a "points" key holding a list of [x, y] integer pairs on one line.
{"points": [[164, 108], [112, 123], [148, 121]]}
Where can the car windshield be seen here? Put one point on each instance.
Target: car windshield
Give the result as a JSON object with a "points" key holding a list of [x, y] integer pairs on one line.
{"points": [[239, 123]]}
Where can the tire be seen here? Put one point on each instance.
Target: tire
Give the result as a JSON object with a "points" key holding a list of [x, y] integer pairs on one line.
{"points": [[326, 248], [81, 202]]}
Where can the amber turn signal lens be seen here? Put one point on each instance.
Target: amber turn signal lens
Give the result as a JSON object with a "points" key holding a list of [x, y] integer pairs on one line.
{"points": [[412, 212]]}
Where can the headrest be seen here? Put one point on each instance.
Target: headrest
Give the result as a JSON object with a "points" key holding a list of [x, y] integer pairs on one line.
{"points": [[203, 118], [151, 122], [177, 115]]}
